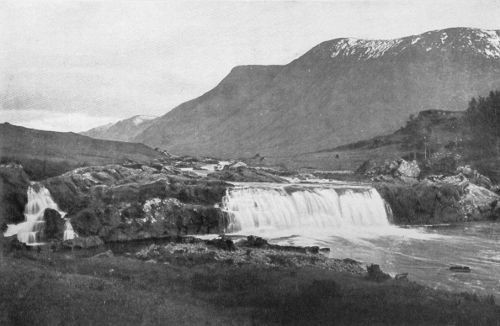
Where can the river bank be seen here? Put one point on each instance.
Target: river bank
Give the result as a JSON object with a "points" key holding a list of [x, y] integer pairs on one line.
{"points": [[115, 206], [199, 284]]}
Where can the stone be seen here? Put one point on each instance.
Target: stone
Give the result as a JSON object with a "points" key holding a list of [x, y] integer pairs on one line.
{"points": [[465, 170], [223, 243], [257, 242], [376, 274], [54, 225], [408, 169], [460, 269]]}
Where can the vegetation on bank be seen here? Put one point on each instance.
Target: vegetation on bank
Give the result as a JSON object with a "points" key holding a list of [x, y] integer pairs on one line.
{"points": [[483, 118], [79, 287]]}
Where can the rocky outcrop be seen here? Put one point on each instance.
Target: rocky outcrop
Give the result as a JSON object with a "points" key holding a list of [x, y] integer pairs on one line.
{"points": [[242, 173], [120, 203], [399, 169], [438, 200], [14, 184], [54, 225]]}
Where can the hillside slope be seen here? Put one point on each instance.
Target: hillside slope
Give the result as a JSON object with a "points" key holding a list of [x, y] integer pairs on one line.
{"points": [[48, 153], [341, 91], [429, 132], [123, 130]]}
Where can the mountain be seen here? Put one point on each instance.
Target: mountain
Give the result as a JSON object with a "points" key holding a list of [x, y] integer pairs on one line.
{"points": [[341, 91], [123, 130], [48, 153]]}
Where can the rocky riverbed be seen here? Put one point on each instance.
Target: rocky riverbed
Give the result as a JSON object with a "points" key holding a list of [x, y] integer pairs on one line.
{"points": [[159, 275]]}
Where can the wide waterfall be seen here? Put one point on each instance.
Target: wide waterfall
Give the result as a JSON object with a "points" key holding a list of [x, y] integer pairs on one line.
{"points": [[321, 207], [30, 231]]}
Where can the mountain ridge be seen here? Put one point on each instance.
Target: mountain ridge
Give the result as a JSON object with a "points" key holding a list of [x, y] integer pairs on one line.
{"points": [[122, 130], [47, 153], [341, 91]]}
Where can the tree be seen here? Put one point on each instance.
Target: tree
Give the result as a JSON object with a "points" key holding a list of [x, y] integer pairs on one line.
{"points": [[483, 118]]}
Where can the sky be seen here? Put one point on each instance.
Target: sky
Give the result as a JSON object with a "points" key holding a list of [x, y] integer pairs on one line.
{"points": [[72, 66]]}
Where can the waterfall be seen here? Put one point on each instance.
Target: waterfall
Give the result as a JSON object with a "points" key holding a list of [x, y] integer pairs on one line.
{"points": [[281, 207], [30, 231]]}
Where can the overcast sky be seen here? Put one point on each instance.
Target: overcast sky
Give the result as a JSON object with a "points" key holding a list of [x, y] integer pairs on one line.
{"points": [[76, 65]]}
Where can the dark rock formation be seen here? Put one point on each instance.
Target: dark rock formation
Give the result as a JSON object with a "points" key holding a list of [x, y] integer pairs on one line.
{"points": [[376, 274], [422, 203], [223, 243], [438, 199], [54, 225], [120, 204], [14, 183]]}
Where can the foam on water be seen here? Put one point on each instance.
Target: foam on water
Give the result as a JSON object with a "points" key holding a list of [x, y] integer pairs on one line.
{"points": [[29, 231], [315, 211], [354, 222]]}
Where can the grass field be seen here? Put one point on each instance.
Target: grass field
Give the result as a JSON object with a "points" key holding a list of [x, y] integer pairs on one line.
{"points": [[74, 288]]}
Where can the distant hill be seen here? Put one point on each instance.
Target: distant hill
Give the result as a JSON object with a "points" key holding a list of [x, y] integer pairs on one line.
{"points": [[48, 153], [428, 132], [341, 91], [123, 130]]}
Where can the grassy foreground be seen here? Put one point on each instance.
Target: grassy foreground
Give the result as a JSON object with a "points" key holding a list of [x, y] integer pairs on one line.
{"points": [[77, 288]]}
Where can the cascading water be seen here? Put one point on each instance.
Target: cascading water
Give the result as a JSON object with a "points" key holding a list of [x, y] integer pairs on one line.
{"points": [[29, 231], [254, 207]]}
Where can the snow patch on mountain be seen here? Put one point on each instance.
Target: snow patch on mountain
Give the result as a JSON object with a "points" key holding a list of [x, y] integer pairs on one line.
{"points": [[366, 49], [477, 41], [492, 48], [139, 119]]}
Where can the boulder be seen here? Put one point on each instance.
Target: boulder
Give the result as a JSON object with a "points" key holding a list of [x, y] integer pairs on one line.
{"points": [[54, 225], [422, 203], [438, 200], [401, 169], [474, 176], [478, 202], [223, 243], [256, 242], [376, 274], [408, 169]]}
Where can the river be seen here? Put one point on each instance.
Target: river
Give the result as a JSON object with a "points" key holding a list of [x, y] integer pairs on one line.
{"points": [[352, 222]]}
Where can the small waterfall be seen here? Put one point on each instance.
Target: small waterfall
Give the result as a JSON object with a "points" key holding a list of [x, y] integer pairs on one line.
{"points": [[279, 207], [30, 231]]}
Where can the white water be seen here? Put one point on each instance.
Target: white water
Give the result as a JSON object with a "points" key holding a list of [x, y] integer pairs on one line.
{"points": [[314, 207], [29, 231], [352, 221]]}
